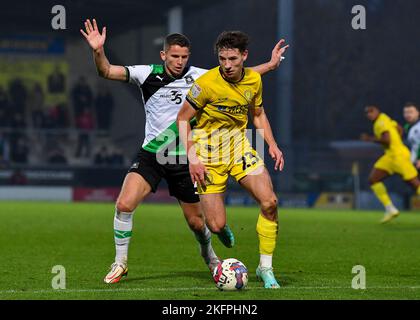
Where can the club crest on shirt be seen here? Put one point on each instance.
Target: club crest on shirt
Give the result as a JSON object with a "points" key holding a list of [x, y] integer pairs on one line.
{"points": [[189, 79], [248, 95]]}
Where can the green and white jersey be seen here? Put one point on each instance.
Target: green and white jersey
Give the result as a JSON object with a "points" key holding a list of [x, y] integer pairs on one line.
{"points": [[163, 96], [413, 139]]}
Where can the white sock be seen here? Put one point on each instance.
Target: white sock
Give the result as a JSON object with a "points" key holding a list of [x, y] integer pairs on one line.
{"points": [[266, 261], [123, 225], [391, 208], [204, 239]]}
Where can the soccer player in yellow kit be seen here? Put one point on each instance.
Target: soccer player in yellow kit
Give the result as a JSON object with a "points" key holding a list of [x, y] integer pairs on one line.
{"points": [[396, 159], [220, 101]]}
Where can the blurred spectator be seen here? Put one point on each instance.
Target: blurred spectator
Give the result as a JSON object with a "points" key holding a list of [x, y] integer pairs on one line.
{"points": [[85, 123], [18, 122], [102, 156], [82, 96], [4, 118], [58, 115], [4, 108], [39, 118], [37, 97], [18, 178], [4, 148], [104, 104], [56, 81], [57, 156], [116, 158], [19, 150], [18, 95]]}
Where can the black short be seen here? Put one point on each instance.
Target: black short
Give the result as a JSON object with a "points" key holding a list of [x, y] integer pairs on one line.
{"points": [[176, 175]]}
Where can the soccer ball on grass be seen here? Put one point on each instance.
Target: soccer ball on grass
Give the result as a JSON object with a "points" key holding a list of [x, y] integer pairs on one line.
{"points": [[231, 274]]}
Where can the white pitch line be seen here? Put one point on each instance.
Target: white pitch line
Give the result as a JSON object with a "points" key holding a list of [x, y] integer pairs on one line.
{"points": [[116, 290]]}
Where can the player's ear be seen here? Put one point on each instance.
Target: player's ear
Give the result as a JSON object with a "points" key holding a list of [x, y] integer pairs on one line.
{"points": [[163, 55], [245, 55]]}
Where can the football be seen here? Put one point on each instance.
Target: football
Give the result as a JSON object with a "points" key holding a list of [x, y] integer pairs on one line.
{"points": [[231, 274]]}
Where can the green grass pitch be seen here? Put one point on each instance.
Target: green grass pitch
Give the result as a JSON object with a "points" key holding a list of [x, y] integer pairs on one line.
{"points": [[315, 254]]}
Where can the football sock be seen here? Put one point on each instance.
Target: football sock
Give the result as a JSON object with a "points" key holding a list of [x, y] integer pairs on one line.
{"points": [[267, 234], [380, 191], [204, 239], [123, 225], [266, 261], [418, 191]]}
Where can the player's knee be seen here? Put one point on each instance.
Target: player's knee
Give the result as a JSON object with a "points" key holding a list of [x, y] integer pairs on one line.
{"points": [[125, 206], [372, 181], [195, 223], [269, 207], [215, 227]]}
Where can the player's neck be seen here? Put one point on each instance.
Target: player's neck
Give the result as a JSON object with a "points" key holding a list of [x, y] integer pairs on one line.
{"points": [[169, 73], [236, 79]]}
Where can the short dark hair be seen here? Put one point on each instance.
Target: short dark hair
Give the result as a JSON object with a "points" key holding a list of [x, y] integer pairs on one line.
{"points": [[176, 39], [232, 40], [411, 104], [372, 106]]}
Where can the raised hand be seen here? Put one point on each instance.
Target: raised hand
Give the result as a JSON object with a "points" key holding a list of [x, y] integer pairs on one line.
{"points": [[92, 35], [277, 55]]}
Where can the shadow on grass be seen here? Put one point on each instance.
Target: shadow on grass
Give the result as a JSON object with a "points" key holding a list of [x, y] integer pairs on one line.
{"points": [[200, 275]]}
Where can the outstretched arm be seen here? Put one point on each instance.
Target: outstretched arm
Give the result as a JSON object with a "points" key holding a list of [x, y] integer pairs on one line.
{"points": [[260, 121], [96, 41], [277, 55]]}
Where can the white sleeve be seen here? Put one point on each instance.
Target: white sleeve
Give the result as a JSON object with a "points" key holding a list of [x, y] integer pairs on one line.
{"points": [[415, 147], [199, 71], [138, 74]]}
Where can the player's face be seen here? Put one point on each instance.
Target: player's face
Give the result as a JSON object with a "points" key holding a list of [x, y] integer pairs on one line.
{"points": [[411, 114], [232, 62], [175, 58], [371, 113]]}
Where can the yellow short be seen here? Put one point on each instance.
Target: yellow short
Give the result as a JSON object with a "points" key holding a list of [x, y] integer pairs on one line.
{"points": [[399, 165], [218, 173]]}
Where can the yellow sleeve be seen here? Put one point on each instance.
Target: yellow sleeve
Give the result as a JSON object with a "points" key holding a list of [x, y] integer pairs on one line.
{"points": [[258, 97], [197, 96], [380, 127]]}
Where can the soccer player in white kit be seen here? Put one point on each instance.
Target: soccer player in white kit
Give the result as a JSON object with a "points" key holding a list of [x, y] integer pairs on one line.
{"points": [[412, 130]]}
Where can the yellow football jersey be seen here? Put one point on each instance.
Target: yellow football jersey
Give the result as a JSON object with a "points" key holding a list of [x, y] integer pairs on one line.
{"points": [[385, 124], [222, 109]]}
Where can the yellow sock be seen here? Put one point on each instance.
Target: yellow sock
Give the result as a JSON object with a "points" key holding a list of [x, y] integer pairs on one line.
{"points": [[418, 191], [267, 234], [380, 191]]}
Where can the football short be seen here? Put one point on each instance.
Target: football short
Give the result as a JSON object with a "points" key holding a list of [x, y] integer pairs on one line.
{"points": [[397, 165], [217, 178], [176, 175]]}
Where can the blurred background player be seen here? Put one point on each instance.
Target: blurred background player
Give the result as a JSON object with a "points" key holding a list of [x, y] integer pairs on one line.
{"points": [[155, 81], [412, 130], [220, 101], [396, 159]]}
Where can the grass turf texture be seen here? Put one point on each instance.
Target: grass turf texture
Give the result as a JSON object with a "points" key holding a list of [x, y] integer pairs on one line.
{"points": [[314, 257]]}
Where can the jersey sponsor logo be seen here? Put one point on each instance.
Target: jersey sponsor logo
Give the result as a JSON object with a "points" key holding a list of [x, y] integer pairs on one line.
{"points": [[195, 91], [189, 79], [234, 110], [172, 96]]}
